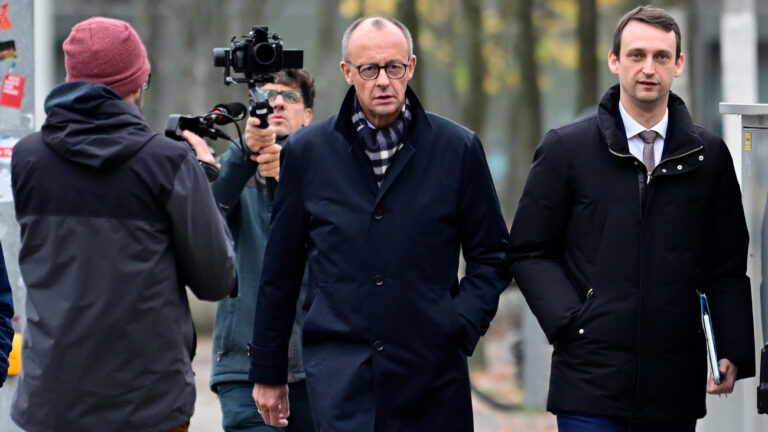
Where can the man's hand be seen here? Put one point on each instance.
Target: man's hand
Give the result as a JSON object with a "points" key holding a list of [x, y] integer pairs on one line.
{"points": [[269, 161], [202, 152], [257, 138], [272, 403], [728, 372]]}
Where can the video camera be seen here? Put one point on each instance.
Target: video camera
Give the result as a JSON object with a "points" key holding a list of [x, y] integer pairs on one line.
{"points": [[204, 126], [256, 57]]}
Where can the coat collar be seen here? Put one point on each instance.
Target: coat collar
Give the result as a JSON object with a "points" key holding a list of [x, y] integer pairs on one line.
{"points": [[419, 123], [681, 133]]}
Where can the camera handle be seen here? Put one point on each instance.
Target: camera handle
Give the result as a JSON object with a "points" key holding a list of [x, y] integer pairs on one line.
{"points": [[261, 109]]}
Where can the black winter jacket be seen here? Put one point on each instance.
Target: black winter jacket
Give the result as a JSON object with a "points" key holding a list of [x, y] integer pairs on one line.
{"points": [[115, 220], [609, 259]]}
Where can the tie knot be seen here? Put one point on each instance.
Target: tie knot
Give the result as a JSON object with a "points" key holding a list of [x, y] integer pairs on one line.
{"points": [[648, 136]]}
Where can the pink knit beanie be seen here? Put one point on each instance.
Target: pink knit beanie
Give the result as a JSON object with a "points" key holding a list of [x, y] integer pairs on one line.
{"points": [[106, 51]]}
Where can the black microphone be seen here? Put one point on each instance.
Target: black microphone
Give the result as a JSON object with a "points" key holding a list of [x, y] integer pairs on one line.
{"points": [[227, 113]]}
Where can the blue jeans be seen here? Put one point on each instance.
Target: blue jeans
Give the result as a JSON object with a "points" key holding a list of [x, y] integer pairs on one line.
{"points": [[572, 422], [239, 412]]}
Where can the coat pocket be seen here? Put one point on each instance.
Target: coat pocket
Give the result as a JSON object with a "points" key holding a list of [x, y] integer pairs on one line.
{"points": [[575, 327]]}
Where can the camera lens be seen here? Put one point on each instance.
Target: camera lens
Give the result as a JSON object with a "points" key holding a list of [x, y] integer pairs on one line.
{"points": [[264, 53], [220, 57]]}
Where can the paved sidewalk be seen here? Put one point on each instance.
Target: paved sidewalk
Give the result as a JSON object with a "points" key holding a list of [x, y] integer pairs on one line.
{"points": [[207, 417]]}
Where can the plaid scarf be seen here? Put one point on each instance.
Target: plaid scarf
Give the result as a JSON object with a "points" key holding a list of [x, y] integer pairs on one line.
{"points": [[381, 145]]}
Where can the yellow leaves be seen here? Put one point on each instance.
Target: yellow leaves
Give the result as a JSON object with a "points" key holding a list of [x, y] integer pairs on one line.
{"points": [[557, 41], [563, 51], [496, 64], [565, 8], [435, 11], [493, 24], [610, 4], [349, 8], [354, 8]]}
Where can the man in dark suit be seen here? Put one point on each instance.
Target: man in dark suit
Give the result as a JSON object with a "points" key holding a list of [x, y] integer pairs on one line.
{"points": [[625, 216], [380, 199]]}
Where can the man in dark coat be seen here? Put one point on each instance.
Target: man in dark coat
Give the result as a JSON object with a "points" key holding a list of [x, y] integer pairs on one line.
{"points": [[613, 238], [380, 199]]}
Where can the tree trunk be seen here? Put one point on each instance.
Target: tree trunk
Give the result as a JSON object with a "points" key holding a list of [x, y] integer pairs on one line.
{"points": [[525, 121], [587, 72], [406, 11], [328, 82], [475, 104]]}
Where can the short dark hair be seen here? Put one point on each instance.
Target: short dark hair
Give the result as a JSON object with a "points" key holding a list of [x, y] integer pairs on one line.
{"points": [[651, 15], [300, 78]]}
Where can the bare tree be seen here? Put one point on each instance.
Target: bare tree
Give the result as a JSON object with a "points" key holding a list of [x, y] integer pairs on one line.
{"points": [[475, 104], [525, 115], [329, 51], [406, 12], [587, 68]]}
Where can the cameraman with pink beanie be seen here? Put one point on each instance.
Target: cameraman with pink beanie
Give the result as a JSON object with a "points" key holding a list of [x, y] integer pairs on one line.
{"points": [[115, 221]]}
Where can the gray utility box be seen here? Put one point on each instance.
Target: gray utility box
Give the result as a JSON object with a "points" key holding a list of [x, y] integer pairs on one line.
{"points": [[738, 412]]}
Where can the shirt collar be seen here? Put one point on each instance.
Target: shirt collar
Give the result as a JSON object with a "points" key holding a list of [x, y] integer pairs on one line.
{"points": [[633, 127]]}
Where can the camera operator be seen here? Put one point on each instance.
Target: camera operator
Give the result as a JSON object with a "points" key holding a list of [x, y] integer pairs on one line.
{"points": [[115, 221], [242, 189]]}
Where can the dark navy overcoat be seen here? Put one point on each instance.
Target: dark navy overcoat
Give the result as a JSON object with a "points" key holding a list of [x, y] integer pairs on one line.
{"points": [[389, 324]]}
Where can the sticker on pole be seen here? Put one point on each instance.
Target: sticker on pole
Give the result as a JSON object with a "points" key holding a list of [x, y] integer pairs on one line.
{"points": [[5, 23], [747, 141], [6, 151], [13, 91]]}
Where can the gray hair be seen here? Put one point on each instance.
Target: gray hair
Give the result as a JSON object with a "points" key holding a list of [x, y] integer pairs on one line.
{"points": [[378, 23]]}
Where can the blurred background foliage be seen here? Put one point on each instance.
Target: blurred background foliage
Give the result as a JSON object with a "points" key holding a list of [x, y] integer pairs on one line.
{"points": [[507, 69]]}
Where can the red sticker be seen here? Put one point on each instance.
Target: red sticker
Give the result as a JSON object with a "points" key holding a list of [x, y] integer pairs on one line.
{"points": [[5, 23], [13, 91]]}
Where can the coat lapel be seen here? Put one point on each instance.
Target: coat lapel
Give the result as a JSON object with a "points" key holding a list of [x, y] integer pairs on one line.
{"points": [[402, 158], [363, 167], [419, 125]]}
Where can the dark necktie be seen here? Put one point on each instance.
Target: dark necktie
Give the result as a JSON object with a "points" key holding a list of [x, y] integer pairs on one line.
{"points": [[649, 159]]}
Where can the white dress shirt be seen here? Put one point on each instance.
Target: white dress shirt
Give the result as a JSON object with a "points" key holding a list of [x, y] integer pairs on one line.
{"points": [[636, 143]]}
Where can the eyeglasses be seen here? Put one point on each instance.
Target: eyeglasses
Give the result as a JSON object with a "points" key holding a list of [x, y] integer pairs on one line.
{"points": [[371, 71], [289, 96], [145, 86]]}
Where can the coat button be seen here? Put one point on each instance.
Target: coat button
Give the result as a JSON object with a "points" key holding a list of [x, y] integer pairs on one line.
{"points": [[581, 331], [379, 345], [663, 170], [378, 214], [701, 158], [679, 167], [378, 280]]}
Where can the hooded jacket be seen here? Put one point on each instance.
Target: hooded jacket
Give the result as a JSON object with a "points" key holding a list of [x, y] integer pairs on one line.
{"points": [[115, 221], [610, 258]]}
